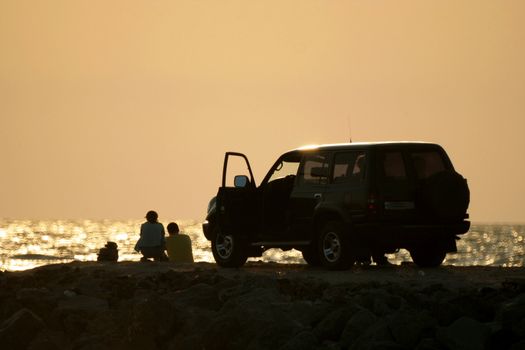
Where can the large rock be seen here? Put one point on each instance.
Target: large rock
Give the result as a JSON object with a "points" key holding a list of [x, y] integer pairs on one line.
{"points": [[252, 318], [511, 315], [331, 327], [305, 340], [464, 334], [410, 326], [20, 329], [83, 303], [199, 296], [152, 323], [358, 323], [378, 335]]}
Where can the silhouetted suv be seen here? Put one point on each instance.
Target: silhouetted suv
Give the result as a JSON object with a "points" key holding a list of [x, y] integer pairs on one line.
{"points": [[342, 203]]}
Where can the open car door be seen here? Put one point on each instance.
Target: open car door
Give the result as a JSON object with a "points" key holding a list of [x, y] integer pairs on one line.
{"points": [[236, 199]]}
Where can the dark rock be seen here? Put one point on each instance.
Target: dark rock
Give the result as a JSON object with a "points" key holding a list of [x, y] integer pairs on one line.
{"points": [[152, 323], [329, 345], [227, 332], [302, 289], [511, 315], [83, 303], [465, 334], [307, 313], [200, 295], [408, 327], [335, 294], [502, 338], [305, 340], [429, 344], [273, 336], [356, 326], [378, 336], [470, 305], [331, 327], [382, 345], [249, 317], [380, 302], [20, 329], [50, 340], [518, 346]]}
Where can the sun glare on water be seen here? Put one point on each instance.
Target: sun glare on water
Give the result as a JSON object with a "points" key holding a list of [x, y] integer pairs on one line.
{"points": [[28, 244]]}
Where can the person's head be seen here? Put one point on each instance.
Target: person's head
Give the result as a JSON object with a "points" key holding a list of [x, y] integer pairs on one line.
{"points": [[152, 216], [173, 228]]}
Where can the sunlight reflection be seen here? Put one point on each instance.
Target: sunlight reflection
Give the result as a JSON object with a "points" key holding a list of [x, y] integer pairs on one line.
{"points": [[122, 236], [27, 244]]}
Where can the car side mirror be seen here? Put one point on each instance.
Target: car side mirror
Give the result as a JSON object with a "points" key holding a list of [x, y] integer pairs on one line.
{"points": [[240, 181]]}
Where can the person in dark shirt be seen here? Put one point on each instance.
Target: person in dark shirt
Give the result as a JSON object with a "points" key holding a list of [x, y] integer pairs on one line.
{"points": [[151, 242]]}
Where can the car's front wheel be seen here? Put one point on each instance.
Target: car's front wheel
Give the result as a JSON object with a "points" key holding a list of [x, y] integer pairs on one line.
{"points": [[227, 249], [311, 255], [334, 248]]}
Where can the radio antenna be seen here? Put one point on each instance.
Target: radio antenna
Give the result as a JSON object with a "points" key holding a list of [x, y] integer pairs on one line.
{"points": [[349, 129]]}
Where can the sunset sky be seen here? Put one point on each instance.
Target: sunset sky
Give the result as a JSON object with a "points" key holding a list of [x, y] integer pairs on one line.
{"points": [[112, 108]]}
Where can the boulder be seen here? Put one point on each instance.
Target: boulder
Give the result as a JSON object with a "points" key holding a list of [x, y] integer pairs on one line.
{"points": [[377, 335], [356, 326], [152, 322], [199, 296], [464, 334], [83, 303], [511, 315], [20, 329], [409, 326], [331, 327], [304, 340]]}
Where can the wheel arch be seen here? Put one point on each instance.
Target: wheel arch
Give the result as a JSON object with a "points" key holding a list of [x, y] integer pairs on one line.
{"points": [[326, 213]]}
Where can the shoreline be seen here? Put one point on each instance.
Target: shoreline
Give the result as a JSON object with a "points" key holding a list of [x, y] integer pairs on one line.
{"points": [[261, 306]]}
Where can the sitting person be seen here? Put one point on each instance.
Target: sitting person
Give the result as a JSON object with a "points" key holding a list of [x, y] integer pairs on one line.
{"points": [[178, 245], [151, 242]]}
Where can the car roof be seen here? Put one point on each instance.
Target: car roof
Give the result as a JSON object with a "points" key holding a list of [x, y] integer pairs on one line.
{"points": [[344, 146]]}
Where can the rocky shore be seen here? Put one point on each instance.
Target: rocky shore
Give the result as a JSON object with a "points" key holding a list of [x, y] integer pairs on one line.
{"points": [[131, 305]]}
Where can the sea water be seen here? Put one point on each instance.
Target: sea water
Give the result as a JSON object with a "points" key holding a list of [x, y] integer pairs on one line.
{"points": [[25, 244]]}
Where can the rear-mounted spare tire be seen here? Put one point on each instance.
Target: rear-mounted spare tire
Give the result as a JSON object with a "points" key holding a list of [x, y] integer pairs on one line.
{"points": [[445, 197]]}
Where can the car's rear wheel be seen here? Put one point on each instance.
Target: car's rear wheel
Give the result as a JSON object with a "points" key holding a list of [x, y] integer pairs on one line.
{"points": [[334, 247], [428, 256], [227, 249]]}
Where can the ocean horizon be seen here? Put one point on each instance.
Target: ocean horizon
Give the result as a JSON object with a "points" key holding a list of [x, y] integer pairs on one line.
{"points": [[26, 244]]}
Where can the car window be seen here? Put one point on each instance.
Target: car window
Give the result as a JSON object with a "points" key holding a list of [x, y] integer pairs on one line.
{"points": [[284, 169], [427, 163], [349, 167], [313, 170], [394, 165]]}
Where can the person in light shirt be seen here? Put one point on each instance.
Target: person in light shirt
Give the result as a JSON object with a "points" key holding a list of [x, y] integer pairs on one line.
{"points": [[178, 245], [152, 242]]}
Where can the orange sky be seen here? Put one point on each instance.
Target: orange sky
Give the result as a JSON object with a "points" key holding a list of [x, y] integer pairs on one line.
{"points": [[111, 108]]}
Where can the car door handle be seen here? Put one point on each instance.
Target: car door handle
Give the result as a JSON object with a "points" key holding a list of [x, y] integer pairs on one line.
{"points": [[318, 196]]}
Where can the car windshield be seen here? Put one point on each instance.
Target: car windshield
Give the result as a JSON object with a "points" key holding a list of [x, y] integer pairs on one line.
{"points": [[284, 168]]}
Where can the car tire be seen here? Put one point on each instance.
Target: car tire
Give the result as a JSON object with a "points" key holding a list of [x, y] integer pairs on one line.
{"points": [[445, 196], [427, 256], [227, 249], [311, 256], [334, 248]]}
